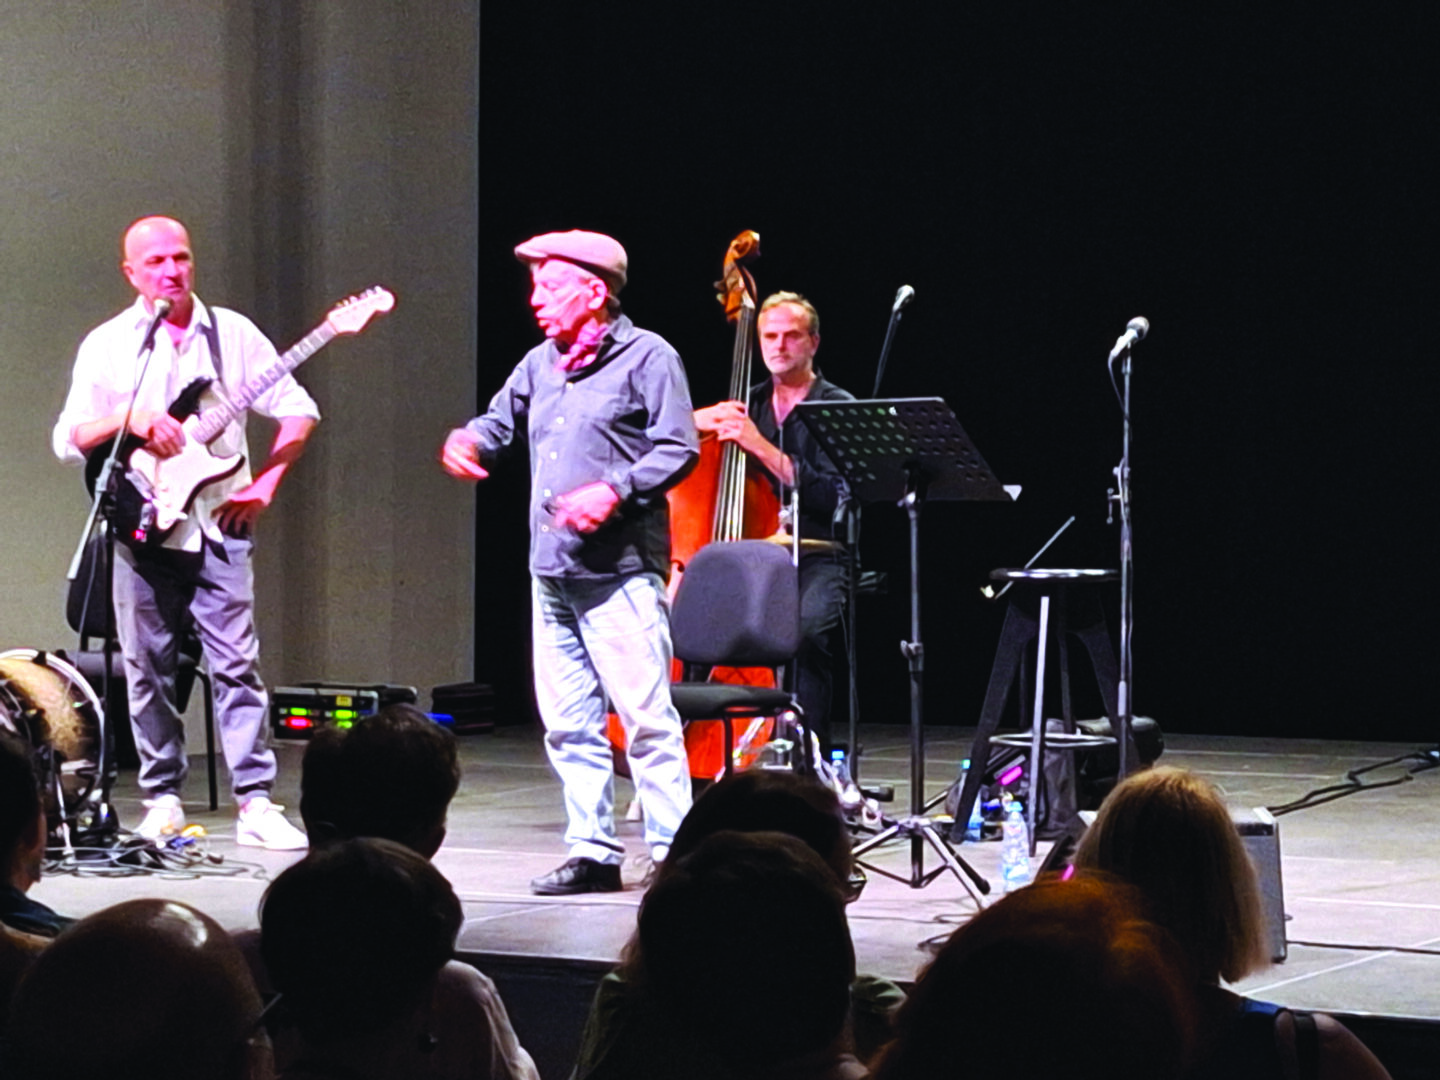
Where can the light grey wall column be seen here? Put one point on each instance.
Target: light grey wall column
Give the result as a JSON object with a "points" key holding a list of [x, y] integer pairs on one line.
{"points": [[313, 150]]}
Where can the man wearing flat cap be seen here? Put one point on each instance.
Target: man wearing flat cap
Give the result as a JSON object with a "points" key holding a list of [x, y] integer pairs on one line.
{"points": [[607, 412]]}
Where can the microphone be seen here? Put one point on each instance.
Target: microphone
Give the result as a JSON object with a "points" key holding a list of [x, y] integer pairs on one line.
{"points": [[162, 308], [903, 297], [1135, 330]]}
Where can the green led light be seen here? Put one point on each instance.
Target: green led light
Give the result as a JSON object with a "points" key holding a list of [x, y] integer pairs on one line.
{"points": [[344, 723], [344, 714], [299, 712]]}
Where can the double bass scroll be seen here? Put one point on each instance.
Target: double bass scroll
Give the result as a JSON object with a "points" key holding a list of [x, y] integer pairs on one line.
{"points": [[722, 499]]}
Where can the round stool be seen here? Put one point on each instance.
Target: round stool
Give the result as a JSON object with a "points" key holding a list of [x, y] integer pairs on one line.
{"points": [[1049, 583]]}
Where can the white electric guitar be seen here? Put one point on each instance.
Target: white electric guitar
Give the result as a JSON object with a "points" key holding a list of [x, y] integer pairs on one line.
{"points": [[156, 493]]}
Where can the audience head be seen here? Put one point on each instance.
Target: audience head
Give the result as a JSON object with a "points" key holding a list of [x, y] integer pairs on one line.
{"points": [[797, 949], [1069, 974], [391, 776], [1169, 834], [354, 935], [158, 988], [22, 817], [767, 800]]}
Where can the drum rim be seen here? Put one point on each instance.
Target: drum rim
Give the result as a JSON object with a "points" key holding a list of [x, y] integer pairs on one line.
{"points": [[71, 674]]}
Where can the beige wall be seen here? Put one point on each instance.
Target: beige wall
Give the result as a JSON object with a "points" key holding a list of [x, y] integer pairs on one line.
{"points": [[313, 150]]}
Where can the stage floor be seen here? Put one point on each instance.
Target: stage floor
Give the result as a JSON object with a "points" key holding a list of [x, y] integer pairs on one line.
{"points": [[1361, 874]]}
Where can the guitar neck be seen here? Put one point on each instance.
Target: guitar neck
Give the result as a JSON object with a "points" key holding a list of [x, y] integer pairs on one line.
{"points": [[215, 419]]}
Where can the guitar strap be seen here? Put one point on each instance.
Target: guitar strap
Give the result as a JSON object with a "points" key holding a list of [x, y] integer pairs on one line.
{"points": [[211, 331], [212, 335]]}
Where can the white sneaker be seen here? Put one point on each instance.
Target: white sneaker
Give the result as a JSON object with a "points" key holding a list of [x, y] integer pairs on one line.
{"points": [[164, 817], [261, 824]]}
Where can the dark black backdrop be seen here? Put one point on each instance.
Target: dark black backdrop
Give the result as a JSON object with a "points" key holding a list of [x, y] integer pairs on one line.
{"points": [[1255, 180]]}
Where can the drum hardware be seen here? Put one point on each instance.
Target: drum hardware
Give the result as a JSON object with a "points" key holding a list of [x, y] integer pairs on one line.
{"points": [[47, 704]]}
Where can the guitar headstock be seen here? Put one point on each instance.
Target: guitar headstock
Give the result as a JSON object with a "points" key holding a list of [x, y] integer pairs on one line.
{"points": [[351, 314]]}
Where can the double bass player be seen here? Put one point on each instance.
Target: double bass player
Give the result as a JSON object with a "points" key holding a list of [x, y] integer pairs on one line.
{"points": [[789, 332]]}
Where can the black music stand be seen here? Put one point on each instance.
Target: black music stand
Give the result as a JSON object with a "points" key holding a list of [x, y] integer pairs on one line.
{"points": [[908, 450]]}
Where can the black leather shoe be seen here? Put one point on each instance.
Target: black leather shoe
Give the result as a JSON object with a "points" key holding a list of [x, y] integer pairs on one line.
{"points": [[578, 875]]}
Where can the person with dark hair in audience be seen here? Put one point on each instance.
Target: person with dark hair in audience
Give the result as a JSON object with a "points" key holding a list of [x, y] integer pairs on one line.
{"points": [[772, 1007], [392, 777], [760, 800], [144, 989], [771, 800], [22, 843], [1062, 978], [1168, 833], [355, 937]]}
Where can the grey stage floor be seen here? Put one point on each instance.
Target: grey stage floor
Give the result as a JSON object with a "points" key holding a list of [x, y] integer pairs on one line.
{"points": [[1361, 874]]}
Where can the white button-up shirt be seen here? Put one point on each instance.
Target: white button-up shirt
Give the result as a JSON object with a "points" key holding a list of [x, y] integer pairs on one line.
{"points": [[108, 367]]}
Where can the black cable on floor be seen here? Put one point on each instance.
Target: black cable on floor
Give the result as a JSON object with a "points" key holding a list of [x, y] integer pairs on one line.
{"points": [[1427, 759], [134, 858], [1364, 948]]}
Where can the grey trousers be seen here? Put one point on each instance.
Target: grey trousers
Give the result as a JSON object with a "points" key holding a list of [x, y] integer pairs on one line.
{"points": [[153, 593]]}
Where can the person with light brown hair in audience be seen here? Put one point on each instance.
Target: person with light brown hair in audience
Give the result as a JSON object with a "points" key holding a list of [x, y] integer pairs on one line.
{"points": [[1169, 834], [144, 989], [1061, 978]]}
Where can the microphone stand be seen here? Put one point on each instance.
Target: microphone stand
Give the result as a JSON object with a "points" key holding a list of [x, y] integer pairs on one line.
{"points": [[852, 539], [1120, 498], [103, 502], [895, 312]]}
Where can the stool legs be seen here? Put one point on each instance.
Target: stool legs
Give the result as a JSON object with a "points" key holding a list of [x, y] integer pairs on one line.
{"points": [[1037, 730]]}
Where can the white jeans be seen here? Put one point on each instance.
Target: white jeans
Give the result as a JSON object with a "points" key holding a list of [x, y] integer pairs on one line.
{"points": [[599, 639]]}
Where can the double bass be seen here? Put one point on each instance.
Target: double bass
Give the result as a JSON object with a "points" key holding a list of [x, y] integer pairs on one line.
{"points": [[723, 499]]}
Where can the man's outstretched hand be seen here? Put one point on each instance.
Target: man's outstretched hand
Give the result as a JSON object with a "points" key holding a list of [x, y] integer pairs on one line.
{"points": [[458, 456]]}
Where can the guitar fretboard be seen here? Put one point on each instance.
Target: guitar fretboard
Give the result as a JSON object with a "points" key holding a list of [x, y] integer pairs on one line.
{"points": [[215, 419]]}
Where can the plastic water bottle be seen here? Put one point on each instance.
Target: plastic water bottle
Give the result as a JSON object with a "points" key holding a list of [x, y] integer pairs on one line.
{"points": [[976, 819], [1014, 848]]}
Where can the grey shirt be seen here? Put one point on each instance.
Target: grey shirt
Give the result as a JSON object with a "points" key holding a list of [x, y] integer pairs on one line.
{"points": [[625, 419]]}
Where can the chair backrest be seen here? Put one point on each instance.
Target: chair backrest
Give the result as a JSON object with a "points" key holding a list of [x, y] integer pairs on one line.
{"points": [[85, 602], [738, 604]]}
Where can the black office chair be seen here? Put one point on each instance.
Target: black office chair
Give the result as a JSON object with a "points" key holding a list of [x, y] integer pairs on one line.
{"points": [[738, 605], [85, 612]]}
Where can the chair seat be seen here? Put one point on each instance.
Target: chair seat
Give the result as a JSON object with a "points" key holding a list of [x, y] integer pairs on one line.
{"points": [[709, 701]]}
